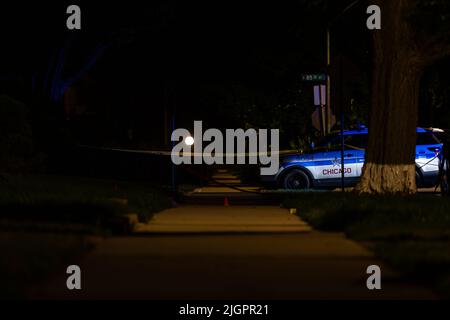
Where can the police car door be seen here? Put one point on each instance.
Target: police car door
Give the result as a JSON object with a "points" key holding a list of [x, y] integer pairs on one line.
{"points": [[329, 163], [352, 154], [355, 150]]}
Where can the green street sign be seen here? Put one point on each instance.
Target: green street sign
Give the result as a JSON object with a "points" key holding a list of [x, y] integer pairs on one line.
{"points": [[314, 77]]}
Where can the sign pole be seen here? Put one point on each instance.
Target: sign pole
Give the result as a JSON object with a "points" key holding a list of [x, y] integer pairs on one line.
{"points": [[322, 121], [341, 102], [328, 80], [320, 100], [342, 153]]}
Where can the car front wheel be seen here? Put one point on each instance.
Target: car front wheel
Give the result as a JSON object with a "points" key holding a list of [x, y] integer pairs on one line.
{"points": [[296, 179]]}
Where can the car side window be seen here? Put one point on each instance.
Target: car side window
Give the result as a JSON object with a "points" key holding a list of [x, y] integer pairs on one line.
{"points": [[351, 142], [364, 141], [335, 144]]}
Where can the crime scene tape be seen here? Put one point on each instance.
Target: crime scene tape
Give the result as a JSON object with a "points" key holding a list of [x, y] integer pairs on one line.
{"points": [[168, 153]]}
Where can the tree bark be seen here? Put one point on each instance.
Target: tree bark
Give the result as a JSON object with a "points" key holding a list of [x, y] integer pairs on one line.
{"points": [[390, 156]]}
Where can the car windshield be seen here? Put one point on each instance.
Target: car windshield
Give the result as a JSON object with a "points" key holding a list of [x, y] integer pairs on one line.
{"points": [[325, 141], [333, 142], [424, 138]]}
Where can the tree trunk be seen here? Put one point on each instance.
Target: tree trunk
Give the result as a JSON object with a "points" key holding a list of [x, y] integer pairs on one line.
{"points": [[390, 156]]}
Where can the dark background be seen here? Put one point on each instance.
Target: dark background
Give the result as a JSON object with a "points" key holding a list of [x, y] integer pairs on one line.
{"points": [[227, 63], [136, 70]]}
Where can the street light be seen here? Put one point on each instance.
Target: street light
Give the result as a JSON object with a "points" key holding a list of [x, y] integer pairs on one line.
{"points": [[189, 141]]}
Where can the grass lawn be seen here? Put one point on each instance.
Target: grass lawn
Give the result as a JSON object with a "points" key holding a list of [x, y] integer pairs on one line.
{"points": [[76, 200], [29, 258], [412, 234], [46, 221]]}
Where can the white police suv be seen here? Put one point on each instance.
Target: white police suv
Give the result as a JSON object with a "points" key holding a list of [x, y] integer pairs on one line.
{"points": [[321, 168]]}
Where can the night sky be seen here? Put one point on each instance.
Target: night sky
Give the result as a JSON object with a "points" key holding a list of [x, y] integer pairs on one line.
{"points": [[193, 57]]}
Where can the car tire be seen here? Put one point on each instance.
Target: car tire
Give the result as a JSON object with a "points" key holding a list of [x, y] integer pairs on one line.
{"points": [[296, 179]]}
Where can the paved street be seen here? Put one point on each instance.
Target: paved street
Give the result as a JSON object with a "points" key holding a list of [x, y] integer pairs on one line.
{"points": [[231, 261]]}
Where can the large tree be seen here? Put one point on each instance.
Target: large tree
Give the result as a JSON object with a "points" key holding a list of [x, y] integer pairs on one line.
{"points": [[414, 35]]}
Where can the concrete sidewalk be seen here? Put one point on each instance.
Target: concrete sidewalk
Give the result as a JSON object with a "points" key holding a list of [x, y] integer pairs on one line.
{"points": [[222, 219], [251, 265]]}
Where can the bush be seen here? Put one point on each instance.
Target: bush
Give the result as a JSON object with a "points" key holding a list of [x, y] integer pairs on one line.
{"points": [[30, 259], [16, 139], [71, 200], [354, 214]]}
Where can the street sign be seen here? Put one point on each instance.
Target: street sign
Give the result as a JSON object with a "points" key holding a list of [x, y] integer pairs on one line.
{"points": [[322, 118], [316, 119], [319, 77], [320, 95]]}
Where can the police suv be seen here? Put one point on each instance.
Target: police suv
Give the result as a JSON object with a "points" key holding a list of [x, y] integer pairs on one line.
{"points": [[321, 168]]}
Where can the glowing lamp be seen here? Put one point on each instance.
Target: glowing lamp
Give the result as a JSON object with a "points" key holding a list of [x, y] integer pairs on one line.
{"points": [[189, 141]]}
